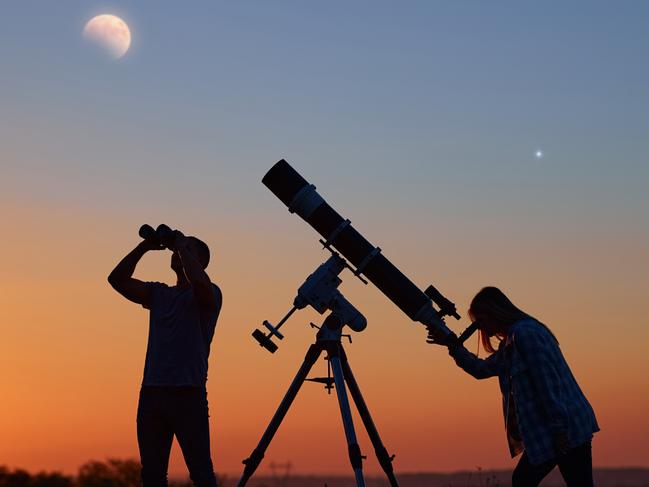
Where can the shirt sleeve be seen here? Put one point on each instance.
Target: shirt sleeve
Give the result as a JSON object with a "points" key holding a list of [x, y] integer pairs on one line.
{"points": [[153, 290], [535, 347], [477, 367]]}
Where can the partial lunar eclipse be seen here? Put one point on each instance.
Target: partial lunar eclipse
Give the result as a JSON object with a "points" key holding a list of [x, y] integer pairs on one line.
{"points": [[110, 32]]}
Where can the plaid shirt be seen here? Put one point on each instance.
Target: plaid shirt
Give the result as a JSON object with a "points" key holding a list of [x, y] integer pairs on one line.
{"points": [[541, 398]]}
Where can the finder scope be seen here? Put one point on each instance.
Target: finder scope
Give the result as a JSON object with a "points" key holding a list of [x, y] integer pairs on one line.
{"points": [[302, 198]]}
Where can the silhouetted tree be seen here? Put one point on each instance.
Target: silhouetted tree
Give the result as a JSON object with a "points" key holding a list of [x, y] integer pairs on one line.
{"points": [[17, 478], [112, 473], [51, 479], [21, 478]]}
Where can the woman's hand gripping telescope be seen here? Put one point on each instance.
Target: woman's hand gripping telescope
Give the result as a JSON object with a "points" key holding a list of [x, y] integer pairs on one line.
{"points": [[450, 340]]}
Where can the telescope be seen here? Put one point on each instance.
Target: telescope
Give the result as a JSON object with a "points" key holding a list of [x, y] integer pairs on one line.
{"points": [[349, 250], [338, 233]]}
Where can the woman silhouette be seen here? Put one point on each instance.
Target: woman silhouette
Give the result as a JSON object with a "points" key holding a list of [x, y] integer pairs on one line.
{"points": [[547, 417]]}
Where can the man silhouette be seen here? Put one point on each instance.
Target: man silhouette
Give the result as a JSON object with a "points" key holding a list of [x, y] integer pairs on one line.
{"points": [[173, 398]]}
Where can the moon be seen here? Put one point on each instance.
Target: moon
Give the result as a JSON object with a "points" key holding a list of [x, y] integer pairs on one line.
{"points": [[110, 32]]}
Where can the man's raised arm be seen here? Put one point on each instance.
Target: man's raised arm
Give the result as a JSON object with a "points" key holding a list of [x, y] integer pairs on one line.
{"points": [[122, 278], [195, 273]]}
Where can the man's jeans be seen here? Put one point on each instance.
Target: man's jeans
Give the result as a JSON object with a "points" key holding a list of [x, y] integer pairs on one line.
{"points": [[167, 411]]}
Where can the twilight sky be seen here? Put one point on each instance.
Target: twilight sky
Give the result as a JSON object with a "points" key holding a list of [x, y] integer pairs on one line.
{"points": [[418, 121]]}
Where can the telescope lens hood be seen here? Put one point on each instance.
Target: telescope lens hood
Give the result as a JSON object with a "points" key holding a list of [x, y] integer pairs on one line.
{"points": [[284, 181]]}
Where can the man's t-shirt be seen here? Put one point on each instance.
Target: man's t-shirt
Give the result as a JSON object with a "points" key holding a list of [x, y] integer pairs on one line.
{"points": [[180, 334]]}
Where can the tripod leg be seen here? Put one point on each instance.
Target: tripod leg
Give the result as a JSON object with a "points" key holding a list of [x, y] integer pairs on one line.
{"points": [[381, 453], [251, 463], [354, 450]]}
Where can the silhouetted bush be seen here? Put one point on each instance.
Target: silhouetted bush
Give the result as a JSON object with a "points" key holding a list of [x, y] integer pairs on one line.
{"points": [[53, 479], [21, 478], [112, 473]]}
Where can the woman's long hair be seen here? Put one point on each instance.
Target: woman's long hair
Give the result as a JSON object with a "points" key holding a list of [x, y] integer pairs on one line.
{"points": [[492, 302]]}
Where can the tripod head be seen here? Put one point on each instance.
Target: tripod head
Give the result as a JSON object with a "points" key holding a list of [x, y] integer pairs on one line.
{"points": [[320, 291]]}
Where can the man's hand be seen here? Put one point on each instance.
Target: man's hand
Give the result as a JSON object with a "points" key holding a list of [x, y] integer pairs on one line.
{"points": [[147, 245], [194, 272]]}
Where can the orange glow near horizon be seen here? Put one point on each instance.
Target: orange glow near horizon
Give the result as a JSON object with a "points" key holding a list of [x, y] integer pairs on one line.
{"points": [[72, 352]]}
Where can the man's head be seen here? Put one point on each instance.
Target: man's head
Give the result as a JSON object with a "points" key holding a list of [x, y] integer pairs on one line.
{"points": [[197, 248]]}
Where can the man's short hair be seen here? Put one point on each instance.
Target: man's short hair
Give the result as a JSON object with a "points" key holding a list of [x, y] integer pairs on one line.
{"points": [[203, 251]]}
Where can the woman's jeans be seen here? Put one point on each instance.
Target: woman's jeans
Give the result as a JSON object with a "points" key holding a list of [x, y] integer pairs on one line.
{"points": [[576, 467], [167, 411]]}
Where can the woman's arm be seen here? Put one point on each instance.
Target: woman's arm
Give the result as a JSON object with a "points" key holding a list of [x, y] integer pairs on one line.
{"points": [[477, 367]]}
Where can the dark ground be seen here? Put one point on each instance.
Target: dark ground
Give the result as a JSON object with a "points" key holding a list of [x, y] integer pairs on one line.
{"points": [[626, 477], [126, 473]]}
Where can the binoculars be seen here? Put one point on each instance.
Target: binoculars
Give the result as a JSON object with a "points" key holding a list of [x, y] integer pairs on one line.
{"points": [[163, 235]]}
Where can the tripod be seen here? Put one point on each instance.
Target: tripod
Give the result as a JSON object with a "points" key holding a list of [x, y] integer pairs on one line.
{"points": [[328, 339]]}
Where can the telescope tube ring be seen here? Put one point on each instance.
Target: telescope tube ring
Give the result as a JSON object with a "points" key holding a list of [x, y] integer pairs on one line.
{"points": [[359, 270], [335, 233], [306, 201]]}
